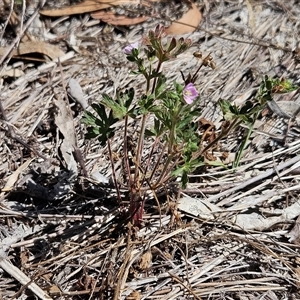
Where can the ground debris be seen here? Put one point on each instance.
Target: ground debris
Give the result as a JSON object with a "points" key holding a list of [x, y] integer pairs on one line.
{"points": [[233, 235]]}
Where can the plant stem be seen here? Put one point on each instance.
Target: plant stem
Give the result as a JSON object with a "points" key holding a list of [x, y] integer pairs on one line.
{"points": [[243, 145], [170, 157], [175, 120], [148, 79], [154, 146], [155, 79], [195, 74], [125, 150], [140, 147], [113, 171], [158, 162], [170, 144], [168, 171]]}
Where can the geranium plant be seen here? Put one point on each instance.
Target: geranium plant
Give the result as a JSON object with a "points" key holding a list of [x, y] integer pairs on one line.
{"points": [[164, 112], [168, 140]]}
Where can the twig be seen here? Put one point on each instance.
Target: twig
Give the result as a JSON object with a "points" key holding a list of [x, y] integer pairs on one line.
{"points": [[23, 279], [124, 270], [255, 179], [177, 279]]}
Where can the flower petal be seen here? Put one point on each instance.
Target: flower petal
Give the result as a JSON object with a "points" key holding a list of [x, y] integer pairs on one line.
{"points": [[128, 49], [190, 93]]}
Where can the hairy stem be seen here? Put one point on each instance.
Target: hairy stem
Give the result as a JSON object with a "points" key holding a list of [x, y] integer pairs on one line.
{"points": [[157, 162], [165, 178], [154, 146], [166, 165], [113, 171], [155, 79], [240, 151], [195, 74], [140, 147], [170, 144], [125, 150]]}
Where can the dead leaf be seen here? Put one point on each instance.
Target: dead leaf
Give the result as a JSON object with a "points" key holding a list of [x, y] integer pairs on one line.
{"points": [[76, 93], [12, 73], [255, 221], [209, 157], [294, 234], [54, 290], [205, 124], [86, 282], [291, 108], [208, 130], [198, 207], [24, 257], [116, 20], [188, 23], [135, 295], [65, 124], [86, 6], [12, 179], [35, 47], [146, 260], [225, 155]]}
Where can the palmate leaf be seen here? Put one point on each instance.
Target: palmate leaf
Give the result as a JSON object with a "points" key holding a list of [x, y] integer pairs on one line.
{"points": [[186, 121], [129, 95], [92, 132], [228, 111], [99, 127], [88, 119], [119, 111], [122, 105], [164, 117], [146, 104], [245, 113]]}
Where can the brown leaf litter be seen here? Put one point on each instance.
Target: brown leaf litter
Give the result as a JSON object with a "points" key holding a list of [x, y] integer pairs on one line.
{"points": [[228, 235]]}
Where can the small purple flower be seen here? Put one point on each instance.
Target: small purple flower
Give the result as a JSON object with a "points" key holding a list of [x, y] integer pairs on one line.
{"points": [[128, 49], [190, 93]]}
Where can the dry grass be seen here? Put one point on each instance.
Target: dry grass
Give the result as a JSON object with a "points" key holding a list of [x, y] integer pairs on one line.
{"points": [[227, 236]]}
